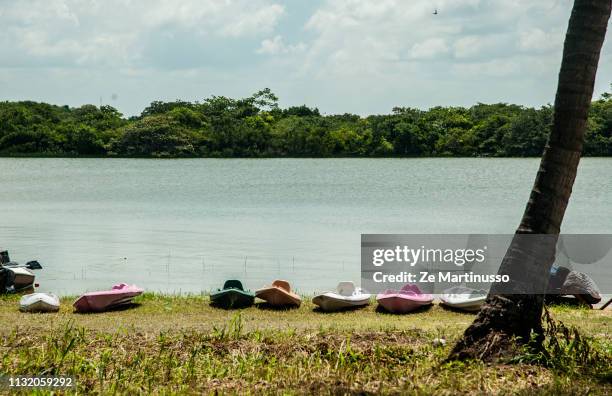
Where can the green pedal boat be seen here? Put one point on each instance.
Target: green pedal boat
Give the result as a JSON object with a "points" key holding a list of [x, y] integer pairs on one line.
{"points": [[232, 295]]}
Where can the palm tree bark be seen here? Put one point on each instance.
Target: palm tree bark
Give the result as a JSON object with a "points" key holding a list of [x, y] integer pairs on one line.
{"points": [[517, 314]]}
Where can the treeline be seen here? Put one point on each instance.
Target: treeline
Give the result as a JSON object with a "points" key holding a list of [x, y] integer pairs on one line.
{"points": [[257, 127]]}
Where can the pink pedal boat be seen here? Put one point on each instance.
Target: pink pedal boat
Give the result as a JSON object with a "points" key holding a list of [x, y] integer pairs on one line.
{"points": [[409, 298], [100, 301]]}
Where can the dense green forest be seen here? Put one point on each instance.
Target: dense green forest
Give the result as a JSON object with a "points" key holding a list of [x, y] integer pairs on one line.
{"points": [[257, 127]]}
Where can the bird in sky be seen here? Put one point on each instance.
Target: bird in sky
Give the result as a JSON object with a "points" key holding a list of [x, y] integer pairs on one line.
{"points": [[435, 12]]}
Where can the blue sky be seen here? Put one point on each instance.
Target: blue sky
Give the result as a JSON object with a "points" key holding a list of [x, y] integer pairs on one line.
{"points": [[358, 56]]}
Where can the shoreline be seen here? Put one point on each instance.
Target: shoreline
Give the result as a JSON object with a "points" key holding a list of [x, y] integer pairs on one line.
{"points": [[49, 156], [182, 345], [204, 296]]}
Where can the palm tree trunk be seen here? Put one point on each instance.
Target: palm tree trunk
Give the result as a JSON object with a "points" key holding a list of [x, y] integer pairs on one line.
{"points": [[505, 316]]}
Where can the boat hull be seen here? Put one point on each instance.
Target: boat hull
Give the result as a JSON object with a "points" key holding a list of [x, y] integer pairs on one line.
{"points": [[472, 305], [232, 298], [101, 301], [39, 302], [399, 304], [278, 297], [463, 298], [333, 304], [23, 278]]}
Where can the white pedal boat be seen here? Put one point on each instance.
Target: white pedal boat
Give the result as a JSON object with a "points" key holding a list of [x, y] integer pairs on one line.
{"points": [[39, 302], [346, 296], [464, 298]]}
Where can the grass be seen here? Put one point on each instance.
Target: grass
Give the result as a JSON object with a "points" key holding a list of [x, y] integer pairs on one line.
{"points": [[170, 345]]}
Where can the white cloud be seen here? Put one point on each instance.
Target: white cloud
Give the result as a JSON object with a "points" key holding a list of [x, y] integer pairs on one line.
{"points": [[276, 45], [479, 45], [353, 35], [377, 37], [259, 20], [535, 39], [359, 56], [492, 68], [29, 13], [116, 32], [429, 49]]}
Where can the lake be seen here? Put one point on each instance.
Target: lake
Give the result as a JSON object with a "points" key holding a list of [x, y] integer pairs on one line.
{"points": [[186, 225]]}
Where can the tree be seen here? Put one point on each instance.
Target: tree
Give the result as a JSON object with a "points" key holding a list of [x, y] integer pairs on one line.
{"points": [[255, 126], [599, 133], [527, 132], [158, 107], [157, 136], [82, 140], [301, 111], [505, 316]]}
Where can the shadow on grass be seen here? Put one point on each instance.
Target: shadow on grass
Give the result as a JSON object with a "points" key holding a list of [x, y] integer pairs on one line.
{"points": [[38, 312], [230, 307], [424, 308], [347, 309], [118, 308], [269, 307], [458, 310]]}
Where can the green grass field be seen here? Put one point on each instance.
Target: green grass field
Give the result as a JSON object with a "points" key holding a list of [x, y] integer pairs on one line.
{"points": [[168, 345]]}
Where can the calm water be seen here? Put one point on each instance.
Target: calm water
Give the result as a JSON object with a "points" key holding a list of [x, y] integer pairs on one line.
{"points": [[185, 225]]}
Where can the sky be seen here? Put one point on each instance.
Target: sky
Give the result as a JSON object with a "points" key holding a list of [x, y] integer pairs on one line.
{"points": [[342, 56]]}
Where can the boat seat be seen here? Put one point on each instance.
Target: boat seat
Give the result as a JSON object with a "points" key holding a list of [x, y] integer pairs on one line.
{"points": [[282, 284], [4, 257], [6, 279], [346, 288], [233, 284], [410, 289]]}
